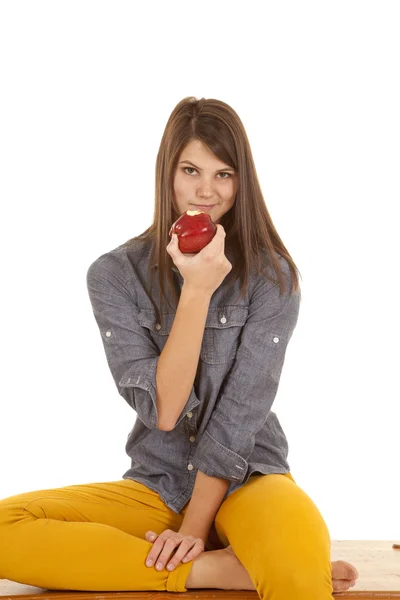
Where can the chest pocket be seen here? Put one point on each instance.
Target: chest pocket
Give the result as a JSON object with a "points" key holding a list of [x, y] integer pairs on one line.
{"points": [[158, 332], [222, 333]]}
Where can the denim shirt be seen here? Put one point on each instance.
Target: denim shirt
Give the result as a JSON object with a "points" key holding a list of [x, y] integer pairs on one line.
{"points": [[226, 428]]}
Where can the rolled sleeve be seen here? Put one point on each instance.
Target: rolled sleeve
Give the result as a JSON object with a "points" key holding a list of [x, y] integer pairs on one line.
{"points": [[249, 389], [131, 354]]}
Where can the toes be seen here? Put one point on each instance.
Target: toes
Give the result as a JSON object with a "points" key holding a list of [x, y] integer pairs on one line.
{"points": [[340, 570], [341, 585]]}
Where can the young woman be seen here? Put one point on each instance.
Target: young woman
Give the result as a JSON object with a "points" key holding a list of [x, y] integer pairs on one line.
{"points": [[197, 355]]}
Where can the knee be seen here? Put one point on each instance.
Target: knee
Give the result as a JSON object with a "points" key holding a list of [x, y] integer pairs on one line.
{"points": [[7, 516], [11, 512]]}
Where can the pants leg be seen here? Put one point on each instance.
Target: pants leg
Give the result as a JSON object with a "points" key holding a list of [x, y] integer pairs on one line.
{"points": [[280, 537], [87, 537]]}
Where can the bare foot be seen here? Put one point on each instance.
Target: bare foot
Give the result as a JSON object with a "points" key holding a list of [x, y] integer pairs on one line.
{"points": [[344, 575], [238, 578], [219, 569], [228, 573]]}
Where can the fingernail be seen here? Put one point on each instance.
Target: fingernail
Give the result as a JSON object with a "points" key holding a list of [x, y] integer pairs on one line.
{"points": [[159, 566], [149, 563], [170, 567], [151, 538]]}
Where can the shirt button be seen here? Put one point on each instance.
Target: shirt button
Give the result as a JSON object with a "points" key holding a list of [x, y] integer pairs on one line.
{"points": [[223, 320], [190, 467], [192, 438], [276, 340], [158, 326], [189, 415], [108, 333]]}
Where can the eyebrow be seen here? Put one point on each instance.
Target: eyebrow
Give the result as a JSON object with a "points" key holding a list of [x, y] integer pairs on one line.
{"points": [[190, 163]]}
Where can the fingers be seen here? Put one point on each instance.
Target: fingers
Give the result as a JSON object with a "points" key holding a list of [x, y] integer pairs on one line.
{"points": [[150, 536], [220, 234], [220, 237], [161, 552], [182, 550], [162, 549], [154, 552], [185, 555], [173, 243], [217, 243], [173, 247]]}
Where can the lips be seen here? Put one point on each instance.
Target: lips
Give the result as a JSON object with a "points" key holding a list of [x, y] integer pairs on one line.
{"points": [[205, 207]]}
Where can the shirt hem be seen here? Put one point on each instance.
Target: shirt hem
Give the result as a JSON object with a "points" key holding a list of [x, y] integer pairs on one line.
{"points": [[144, 482]]}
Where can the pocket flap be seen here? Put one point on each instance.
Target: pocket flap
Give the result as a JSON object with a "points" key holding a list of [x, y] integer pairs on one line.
{"points": [[221, 317], [229, 315], [148, 318]]}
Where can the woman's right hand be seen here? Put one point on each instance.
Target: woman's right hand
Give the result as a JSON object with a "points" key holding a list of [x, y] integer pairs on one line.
{"points": [[205, 271]]}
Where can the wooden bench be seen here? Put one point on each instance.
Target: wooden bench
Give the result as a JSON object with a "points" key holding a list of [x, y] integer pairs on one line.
{"points": [[377, 563]]}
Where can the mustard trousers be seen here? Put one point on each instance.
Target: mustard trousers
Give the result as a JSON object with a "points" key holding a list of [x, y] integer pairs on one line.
{"points": [[90, 537]]}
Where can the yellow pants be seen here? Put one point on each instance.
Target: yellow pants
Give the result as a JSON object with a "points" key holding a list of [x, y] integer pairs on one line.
{"points": [[91, 537]]}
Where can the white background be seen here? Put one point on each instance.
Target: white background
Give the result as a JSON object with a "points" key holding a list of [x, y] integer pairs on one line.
{"points": [[86, 91]]}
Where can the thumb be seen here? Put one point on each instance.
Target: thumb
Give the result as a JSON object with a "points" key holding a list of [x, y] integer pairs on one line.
{"points": [[174, 241], [173, 244]]}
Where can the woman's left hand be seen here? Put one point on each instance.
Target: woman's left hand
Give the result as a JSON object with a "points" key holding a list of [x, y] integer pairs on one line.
{"points": [[188, 548]]}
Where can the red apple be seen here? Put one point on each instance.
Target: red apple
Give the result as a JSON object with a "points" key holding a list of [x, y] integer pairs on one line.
{"points": [[195, 229]]}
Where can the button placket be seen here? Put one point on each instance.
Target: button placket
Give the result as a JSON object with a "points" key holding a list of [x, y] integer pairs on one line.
{"points": [[192, 438], [189, 415]]}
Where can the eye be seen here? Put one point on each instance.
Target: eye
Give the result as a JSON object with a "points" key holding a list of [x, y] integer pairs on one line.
{"points": [[221, 173]]}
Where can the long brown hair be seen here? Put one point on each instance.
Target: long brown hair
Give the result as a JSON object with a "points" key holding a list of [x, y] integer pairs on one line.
{"points": [[250, 232]]}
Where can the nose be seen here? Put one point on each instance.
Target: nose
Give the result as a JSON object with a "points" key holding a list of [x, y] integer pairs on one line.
{"points": [[205, 190]]}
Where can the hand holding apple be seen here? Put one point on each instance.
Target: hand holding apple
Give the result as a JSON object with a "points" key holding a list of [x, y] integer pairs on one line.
{"points": [[205, 271]]}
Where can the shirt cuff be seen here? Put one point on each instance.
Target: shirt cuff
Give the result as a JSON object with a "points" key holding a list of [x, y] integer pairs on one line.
{"points": [[138, 387], [216, 460]]}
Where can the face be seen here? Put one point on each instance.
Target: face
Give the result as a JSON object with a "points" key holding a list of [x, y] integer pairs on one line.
{"points": [[206, 181]]}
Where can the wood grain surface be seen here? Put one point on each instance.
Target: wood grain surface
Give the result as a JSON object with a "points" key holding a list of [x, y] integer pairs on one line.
{"points": [[377, 562]]}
